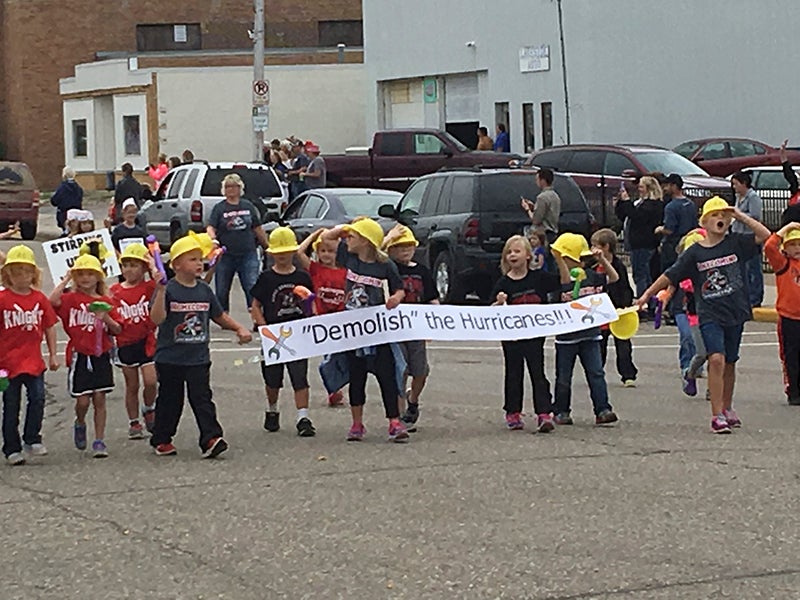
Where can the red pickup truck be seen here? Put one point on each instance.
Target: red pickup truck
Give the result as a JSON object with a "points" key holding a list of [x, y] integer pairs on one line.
{"points": [[398, 156]]}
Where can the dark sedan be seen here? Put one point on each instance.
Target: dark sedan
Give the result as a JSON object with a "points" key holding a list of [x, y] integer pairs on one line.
{"points": [[328, 207]]}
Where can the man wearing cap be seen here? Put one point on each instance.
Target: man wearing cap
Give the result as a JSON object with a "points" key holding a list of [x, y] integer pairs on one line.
{"points": [[316, 174], [300, 162], [680, 217]]}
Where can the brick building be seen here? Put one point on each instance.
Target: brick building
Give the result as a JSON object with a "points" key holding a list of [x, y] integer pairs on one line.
{"points": [[41, 41]]}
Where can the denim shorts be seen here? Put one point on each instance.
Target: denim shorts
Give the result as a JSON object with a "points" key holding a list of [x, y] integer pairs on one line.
{"points": [[722, 339]]}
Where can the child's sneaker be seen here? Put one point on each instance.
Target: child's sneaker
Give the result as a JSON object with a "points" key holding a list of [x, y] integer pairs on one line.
{"points": [[272, 421], [99, 449], [629, 383], [410, 417], [135, 431], [79, 436], [356, 433], [563, 419], [689, 386], [732, 418], [397, 431], [546, 424], [514, 421], [606, 417], [305, 428], [215, 447], [335, 399], [149, 416], [34, 449], [167, 449], [15, 459], [719, 424]]}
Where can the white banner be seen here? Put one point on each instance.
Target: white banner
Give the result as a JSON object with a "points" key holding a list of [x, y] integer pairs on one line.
{"points": [[351, 329], [62, 252]]}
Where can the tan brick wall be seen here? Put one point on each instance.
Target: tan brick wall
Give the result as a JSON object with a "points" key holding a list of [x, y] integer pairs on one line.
{"points": [[41, 41]]}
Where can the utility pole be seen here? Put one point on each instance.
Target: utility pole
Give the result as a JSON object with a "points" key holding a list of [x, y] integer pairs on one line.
{"points": [[258, 70]]}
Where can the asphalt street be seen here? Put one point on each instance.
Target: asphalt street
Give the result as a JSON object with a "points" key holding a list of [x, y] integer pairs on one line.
{"points": [[654, 507]]}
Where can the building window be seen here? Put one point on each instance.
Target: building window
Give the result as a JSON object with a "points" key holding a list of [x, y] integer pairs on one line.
{"points": [[79, 138], [547, 124], [133, 140], [333, 33], [182, 36]]}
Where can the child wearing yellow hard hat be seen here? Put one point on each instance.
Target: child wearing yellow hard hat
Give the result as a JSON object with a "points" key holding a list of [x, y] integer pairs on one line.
{"points": [[782, 250], [715, 264], [183, 310], [275, 301], [570, 251], [85, 312], [27, 319], [372, 280]]}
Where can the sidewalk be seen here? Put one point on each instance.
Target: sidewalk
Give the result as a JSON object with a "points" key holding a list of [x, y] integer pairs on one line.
{"points": [[766, 313]]}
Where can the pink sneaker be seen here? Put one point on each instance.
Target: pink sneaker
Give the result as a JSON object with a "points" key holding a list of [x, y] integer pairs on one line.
{"points": [[514, 421], [356, 433], [720, 425], [733, 418], [335, 399], [546, 424], [397, 431]]}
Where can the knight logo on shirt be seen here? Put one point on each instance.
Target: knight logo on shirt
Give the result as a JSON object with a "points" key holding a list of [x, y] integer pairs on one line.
{"points": [[28, 320], [81, 317], [135, 313]]}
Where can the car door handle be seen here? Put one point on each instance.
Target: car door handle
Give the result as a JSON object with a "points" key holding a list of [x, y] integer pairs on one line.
{"points": [[433, 226]]}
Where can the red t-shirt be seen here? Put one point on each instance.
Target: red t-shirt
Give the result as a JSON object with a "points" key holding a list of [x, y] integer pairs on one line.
{"points": [[329, 284], [24, 320], [132, 311], [79, 324]]}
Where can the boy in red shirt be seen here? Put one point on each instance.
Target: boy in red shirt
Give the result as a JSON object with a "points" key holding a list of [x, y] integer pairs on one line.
{"points": [[782, 250], [27, 317]]}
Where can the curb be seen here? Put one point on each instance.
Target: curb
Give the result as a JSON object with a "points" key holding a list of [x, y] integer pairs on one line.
{"points": [[765, 314]]}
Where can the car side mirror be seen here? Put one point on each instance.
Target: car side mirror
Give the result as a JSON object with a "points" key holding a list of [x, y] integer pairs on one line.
{"points": [[630, 173], [699, 159], [387, 211], [447, 152]]}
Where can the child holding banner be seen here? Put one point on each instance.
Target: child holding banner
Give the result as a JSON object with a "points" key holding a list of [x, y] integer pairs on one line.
{"points": [[136, 343], [522, 285], [84, 313], [419, 288], [369, 271], [28, 317], [569, 250], [275, 301]]}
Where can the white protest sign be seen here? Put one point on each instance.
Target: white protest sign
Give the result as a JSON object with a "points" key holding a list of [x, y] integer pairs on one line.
{"points": [[61, 253], [124, 243], [348, 330]]}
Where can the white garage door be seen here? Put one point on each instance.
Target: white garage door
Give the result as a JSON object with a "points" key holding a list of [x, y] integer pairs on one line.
{"points": [[461, 98]]}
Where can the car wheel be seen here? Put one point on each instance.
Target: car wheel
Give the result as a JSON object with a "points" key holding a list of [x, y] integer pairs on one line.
{"points": [[27, 230], [448, 288]]}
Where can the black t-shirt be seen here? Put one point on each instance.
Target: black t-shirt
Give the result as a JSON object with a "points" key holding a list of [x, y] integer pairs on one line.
{"points": [[123, 232], [620, 291], [534, 288], [234, 224], [717, 274], [595, 283], [275, 292], [364, 280], [417, 283]]}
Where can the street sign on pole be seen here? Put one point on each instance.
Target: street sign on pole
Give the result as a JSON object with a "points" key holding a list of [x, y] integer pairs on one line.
{"points": [[260, 118], [260, 84], [261, 92]]}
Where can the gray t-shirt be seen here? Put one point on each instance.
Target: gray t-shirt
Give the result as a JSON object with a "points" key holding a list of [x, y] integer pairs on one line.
{"points": [[752, 205], [318, 164], [364, 280], [184, 335], [234, 225], [547, 210]]}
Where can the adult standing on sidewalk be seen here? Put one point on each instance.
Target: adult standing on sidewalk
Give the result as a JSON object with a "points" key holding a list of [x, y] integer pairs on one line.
{"points": [[751, 204], [299, 164], [316, 173], [680, 217]]}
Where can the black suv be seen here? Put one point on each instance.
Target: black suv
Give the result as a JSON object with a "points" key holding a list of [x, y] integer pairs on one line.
{"points": [[462, 219]]}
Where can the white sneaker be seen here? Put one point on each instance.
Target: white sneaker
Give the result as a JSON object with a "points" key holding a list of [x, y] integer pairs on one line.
{"points": [[35, 449], [17, 458]]}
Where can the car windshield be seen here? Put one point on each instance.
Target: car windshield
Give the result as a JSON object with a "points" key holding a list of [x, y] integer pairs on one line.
{"points": [[258, 182], [15, 176], [366, 204], [668, 162], [455, 142], [687, 148]]}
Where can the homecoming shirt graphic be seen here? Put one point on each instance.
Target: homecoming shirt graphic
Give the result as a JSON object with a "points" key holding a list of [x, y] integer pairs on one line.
{"points": [[193, 329], [722, 277]]}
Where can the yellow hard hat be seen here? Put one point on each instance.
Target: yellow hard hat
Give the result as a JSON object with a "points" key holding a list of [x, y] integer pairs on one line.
{"points": [[183, 245], [136, 252], [281, 240], [88, 262], [627, 323], [794, 234], [205, 241], [407, 237], [101, 250], [714, 204], [571, 245], [368, 229], [20, 255]]}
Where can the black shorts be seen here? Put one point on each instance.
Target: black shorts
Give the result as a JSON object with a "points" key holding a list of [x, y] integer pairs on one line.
{"points": [[133, 355], [298, 374], [89, 374]]}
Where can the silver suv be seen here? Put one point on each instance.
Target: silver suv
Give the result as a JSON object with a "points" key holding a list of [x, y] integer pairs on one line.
{"points": [[189, 192]]}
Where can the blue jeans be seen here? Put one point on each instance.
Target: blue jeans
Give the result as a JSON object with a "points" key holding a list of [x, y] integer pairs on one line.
{"points": [[589, 352], [245, 266], [755, 280], [687, 349], [722, 339], [12, 402], [640, 264]]}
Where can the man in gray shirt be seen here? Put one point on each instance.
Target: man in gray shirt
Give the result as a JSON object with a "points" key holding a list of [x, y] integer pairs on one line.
{"points": [[316, 174], [751, 204], [545, 212]]}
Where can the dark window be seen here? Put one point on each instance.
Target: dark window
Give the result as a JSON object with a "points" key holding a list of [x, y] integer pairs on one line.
{"points": [[133, 141], [79, 138], [501, 192], [258, 183], [432, 199], [714, 151], [461, 195], [188, 189], [617, 163], [314, 207], [333, 33], [587, 161], [183, 36], [554, 159], [293, 210], [527, 127], [366, 203], [687, 149], [176, 184], [759, 149], [393, 144], [740, 149], [16, 175], [409, 206], [547, 124]]}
